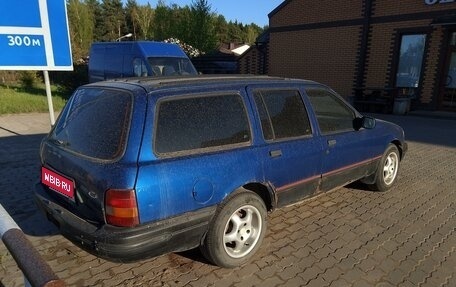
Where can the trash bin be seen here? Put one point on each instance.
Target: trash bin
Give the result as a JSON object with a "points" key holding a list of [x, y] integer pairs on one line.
{"points": [[401, 106]]}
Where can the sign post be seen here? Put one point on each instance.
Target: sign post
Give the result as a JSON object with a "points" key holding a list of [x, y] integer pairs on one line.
{"points": [[47, 84], [36, 38]]}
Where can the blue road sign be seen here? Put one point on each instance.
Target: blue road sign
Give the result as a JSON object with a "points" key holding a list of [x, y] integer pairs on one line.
{"points": [[34, 35]]}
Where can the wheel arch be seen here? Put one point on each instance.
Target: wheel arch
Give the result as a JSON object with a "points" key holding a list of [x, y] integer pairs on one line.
{"points": [[370, 179], [251, 195], [265, 191], [399, 146]]}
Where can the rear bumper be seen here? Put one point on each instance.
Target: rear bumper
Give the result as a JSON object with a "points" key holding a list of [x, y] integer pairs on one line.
{"points": [[127, 244]]}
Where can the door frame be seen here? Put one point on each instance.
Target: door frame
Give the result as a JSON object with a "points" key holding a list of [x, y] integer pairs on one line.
{"points": [[447, 52]]}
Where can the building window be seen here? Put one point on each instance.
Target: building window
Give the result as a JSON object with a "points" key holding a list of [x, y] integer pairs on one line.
{"points": [[410, 60]]}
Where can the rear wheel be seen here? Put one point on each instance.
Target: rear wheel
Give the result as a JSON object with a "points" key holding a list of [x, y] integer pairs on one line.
{"points": [[237, 230], [387, 170]]}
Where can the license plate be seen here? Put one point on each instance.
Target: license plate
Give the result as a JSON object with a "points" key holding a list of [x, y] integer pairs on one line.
{"points": [[57, 182]]}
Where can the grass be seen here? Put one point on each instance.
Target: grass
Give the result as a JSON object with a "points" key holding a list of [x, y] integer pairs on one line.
{"points": [[14, 100]]}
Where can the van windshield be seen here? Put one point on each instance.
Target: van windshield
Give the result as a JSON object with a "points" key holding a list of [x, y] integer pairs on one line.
{"points": [[169, 66], [95, 123]]}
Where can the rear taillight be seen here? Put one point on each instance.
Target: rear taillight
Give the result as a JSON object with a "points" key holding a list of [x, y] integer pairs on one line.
{"points": [[121, 208]]}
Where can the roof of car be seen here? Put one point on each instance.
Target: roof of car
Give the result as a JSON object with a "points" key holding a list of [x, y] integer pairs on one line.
{"points": [[155, 83]]}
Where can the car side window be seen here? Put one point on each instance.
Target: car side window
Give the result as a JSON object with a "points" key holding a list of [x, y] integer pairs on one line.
{"points": [[282, 114], [332, 114], [194, 123], [139, 68]]}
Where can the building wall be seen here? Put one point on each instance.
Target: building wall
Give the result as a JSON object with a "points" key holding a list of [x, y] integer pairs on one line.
{"points": [[255, 60], [323, 41], [325, 55], [298, 12], [431, 77], [400, 7], [317, 40]]}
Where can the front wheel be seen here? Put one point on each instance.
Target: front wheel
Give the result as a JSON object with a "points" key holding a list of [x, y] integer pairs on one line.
{"points": [[237, 230], [387, 170]]}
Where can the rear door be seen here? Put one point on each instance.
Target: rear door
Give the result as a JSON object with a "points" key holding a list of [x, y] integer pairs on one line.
{"points": [[196, 150], [348, 153], [290, 154]]}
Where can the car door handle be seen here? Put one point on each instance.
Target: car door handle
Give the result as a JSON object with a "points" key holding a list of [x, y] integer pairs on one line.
{"points": [[275, 153], [331, 143]]}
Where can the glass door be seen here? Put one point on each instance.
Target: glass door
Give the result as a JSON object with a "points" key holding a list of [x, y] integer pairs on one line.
{"points": [[448, 99], [410, 65]]}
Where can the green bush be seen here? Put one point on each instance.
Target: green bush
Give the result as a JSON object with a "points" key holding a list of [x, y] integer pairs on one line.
{"points": [[67, 81], [28, 79], [8, 78]]}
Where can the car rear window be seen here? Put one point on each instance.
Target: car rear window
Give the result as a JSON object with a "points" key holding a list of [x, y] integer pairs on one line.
{"points": [[95, 123], [191, 124]]}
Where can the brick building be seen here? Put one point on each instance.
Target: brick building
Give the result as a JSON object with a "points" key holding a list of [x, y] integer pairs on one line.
{"points": [[255, 60], [405, 47]]}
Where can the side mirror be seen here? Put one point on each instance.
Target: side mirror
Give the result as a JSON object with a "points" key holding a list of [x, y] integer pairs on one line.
{"points": [[364, 122]]}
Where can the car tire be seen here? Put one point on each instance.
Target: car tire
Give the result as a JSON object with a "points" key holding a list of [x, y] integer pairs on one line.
{"points": [[236, 231], [388, 169]]}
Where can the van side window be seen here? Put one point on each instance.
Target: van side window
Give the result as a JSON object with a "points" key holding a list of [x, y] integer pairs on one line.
{"points": [[190, 124], [332, 114], [282, 114], [139, 68]]}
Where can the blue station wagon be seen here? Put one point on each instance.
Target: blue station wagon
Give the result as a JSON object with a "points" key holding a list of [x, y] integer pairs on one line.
{"points": [[135, 168]]}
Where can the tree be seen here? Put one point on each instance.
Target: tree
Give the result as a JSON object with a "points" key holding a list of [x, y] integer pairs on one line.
{"points": [[202, 30], [252, 32], [161, 21], [130, 23], [82, 25], [95, 10], [181, 24], [235, 32], [113, 20], [143, 18], [221, 29]]}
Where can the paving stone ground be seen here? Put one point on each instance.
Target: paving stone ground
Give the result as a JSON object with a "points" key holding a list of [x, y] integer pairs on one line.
{"points": [[350, 237]]}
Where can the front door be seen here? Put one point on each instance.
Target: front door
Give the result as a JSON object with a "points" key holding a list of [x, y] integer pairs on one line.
{"points": [[349, 154], [448, 86]]}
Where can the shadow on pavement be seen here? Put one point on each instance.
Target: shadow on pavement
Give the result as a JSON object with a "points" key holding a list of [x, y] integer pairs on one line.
{"points": [[19, 171], [194, 255], [424, 129]]}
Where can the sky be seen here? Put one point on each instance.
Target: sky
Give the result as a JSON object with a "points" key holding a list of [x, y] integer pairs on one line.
{"points": [[244, 11]]}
